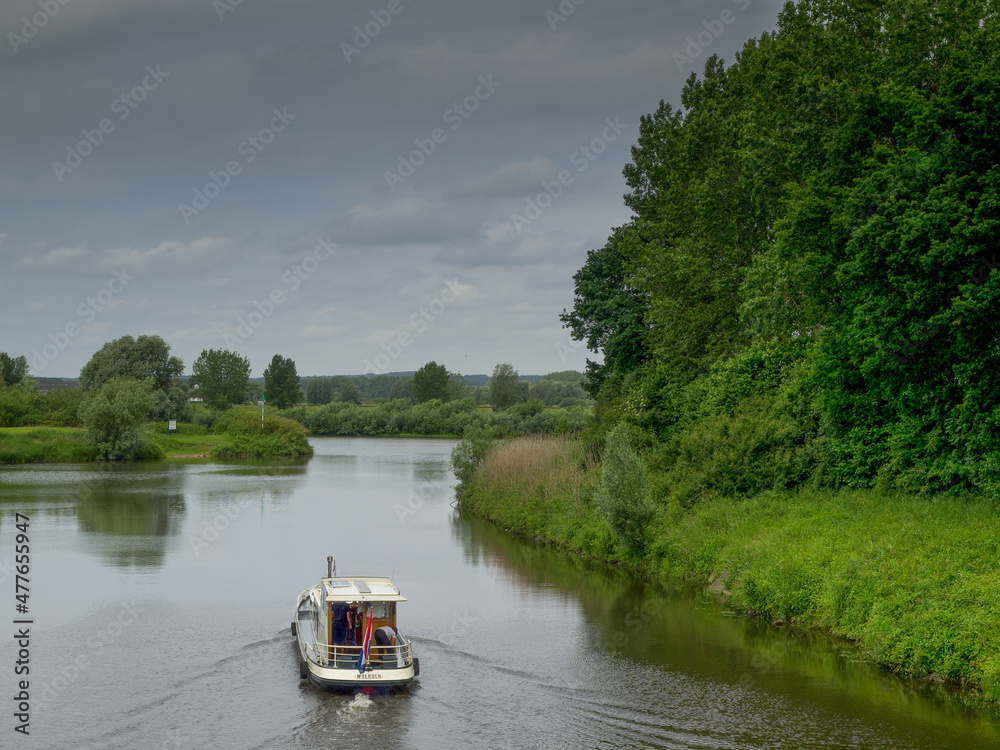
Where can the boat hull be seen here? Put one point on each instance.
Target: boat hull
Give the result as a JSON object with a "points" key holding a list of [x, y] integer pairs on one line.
{"points": [[349, 678], [346, 680]]}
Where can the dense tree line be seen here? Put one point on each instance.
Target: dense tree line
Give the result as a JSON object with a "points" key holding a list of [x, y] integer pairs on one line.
{"points": [[403, 417], [130, 382], [563, 389], [805, 291]]}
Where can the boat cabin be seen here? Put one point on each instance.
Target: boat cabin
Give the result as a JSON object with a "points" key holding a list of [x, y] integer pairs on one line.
{"points": [[332, 620]]}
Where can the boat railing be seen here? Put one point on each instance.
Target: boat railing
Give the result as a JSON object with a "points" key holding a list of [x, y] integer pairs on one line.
{"points": [[380, 657]]}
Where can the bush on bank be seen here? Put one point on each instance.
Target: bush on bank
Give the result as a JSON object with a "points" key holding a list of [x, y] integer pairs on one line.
{"points": [[280, 436]]}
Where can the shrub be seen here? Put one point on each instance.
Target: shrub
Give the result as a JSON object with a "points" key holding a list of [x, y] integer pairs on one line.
{"points": [[60, 407], [470, 451], [279, 437], [18, 403], [115, 417], [623, 495], [205, 417]]}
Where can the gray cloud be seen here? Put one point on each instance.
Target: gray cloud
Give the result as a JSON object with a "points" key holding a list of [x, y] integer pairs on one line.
{"points": [[63, 234]]}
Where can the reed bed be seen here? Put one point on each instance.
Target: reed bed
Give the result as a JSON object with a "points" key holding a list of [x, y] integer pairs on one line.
{"points": [[539, 465]]}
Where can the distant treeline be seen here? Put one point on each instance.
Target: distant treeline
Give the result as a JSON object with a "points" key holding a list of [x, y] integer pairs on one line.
{"points": [[563, 389], [402, 417]]}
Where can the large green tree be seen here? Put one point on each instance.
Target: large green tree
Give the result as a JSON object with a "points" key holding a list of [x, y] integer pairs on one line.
{"points": [[221, 376], [609, 313], [20, 403], [431, 382], [319, 391], [814, 239], [281, 383], [349, 393], [142, 358], [402, 388], [504, 389], [12, 369]]}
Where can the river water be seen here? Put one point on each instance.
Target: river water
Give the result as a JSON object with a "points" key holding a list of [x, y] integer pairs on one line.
{"points": [[161, 597]]}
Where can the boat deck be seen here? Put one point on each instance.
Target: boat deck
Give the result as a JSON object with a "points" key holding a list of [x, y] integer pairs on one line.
{"points": [[346, 656]]}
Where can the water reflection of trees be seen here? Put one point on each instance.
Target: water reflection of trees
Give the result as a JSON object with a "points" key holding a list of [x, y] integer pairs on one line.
{"points": [[133, 527], [128, 513], [607, 595], [272, 480], [686, 630]]}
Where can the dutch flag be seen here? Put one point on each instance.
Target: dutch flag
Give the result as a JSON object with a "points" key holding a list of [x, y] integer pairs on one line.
{"points": [[366, 643]]}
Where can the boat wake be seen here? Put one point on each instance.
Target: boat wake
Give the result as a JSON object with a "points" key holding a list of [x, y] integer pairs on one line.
{"points": [[359, 705]]}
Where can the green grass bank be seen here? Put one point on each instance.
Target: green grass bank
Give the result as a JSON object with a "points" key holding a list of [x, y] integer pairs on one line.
{"points": [[913, 582], [24, 445], [234, 435]]}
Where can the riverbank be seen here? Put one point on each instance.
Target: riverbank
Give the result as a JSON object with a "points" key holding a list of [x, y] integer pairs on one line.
{"points": [[913, 582], [234, 435], [25, 445]]}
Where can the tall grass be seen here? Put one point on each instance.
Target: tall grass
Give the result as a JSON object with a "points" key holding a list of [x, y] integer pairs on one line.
{"points": [[536, 464], [540, 487]]}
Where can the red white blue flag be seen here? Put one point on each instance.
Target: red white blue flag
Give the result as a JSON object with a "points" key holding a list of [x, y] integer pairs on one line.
{"points": [[366, 643]]}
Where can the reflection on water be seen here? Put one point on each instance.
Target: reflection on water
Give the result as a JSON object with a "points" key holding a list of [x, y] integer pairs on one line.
{"points": [[697, 637], [128, 512], [128, 522]]}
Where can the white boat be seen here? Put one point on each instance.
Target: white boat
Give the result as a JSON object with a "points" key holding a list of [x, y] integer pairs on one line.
{"points": [[331, 619]]}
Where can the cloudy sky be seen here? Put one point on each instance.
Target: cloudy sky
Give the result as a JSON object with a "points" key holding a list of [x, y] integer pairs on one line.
{"points": [[355, 184]]}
